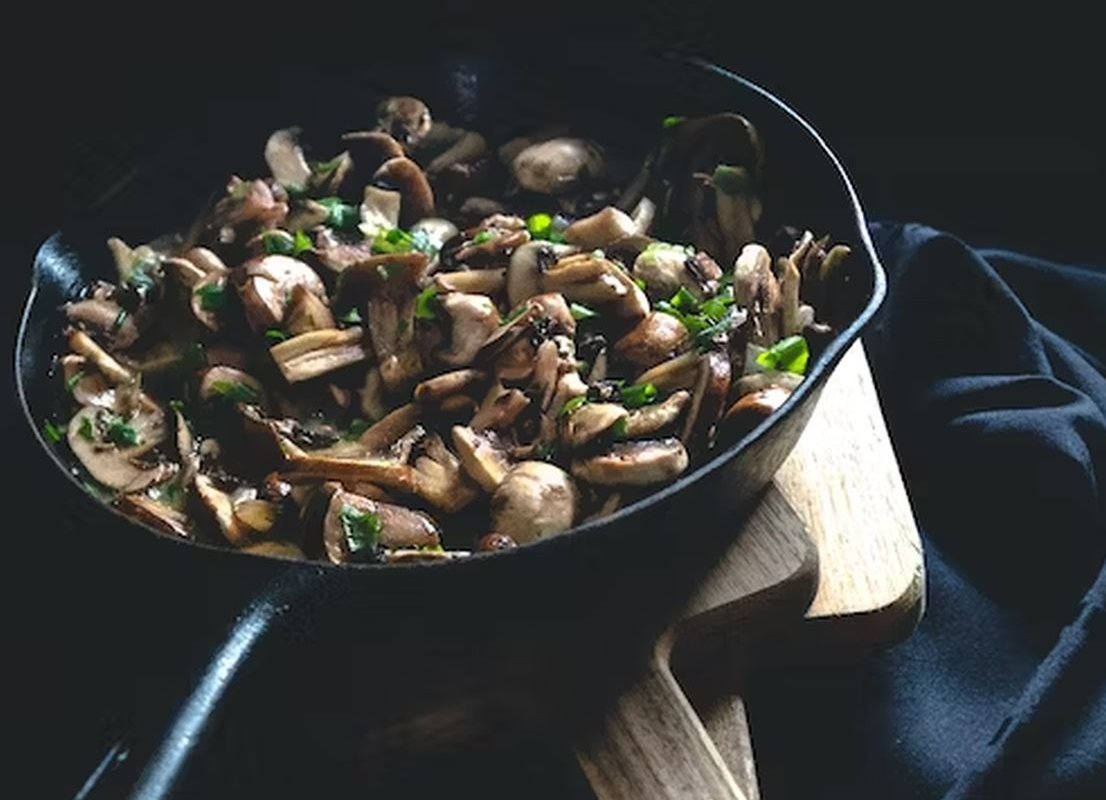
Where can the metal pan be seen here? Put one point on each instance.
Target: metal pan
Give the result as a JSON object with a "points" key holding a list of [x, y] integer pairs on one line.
{"points": [[450, 648]]}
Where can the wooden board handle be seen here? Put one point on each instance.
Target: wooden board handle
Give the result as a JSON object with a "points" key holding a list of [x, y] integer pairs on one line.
{"points": [[651, 744]]}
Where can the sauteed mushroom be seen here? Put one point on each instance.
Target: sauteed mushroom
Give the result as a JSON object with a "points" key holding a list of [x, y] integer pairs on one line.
{"points": [[386, 357]]}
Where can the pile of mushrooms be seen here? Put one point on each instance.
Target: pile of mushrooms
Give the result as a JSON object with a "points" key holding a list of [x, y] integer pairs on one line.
{"points": [[423, 347]]}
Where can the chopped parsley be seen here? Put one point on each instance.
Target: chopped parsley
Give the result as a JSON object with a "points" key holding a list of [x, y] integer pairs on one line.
{"points": [[706, 320], [483, 236], [351, 317], [72, 381], [301, 243], [540, 225], [426, 304], [235, 391], [340, 215], [734, 181], [141, 277], [620, 429], [120, 318], [51, 431], [278, 243], [177, 405], [572, 404], [638, 395], [671, 122], [787, 355], [276, 335], [581, 312], [325, 168], [121, 433], [212, 296], [356, 428], [361, 530], [85, 429], [393, 240]]}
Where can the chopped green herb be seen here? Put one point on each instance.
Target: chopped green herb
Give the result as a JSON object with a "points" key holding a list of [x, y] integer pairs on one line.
{"points": [[640, 284], [301, 243], [639, 395], [276, 335], [671, 122], [341, 215], [351, 317], [393, 240], [361, 530], [51, 431], [733, 181], [324, 168], [684, 301], [173, 495], [120, 318], [177, 405], [239, 191], [295, 190], [235, 391], [572, 404], [581, 312], [85, 429], [540, 225], [212, 296], [72, 381], [120, 433], [278, 243], [598, 253], [516, 312], [483, 236], [426, 304], [141, 277], [620, 429], [356, 428], [788, 355]]}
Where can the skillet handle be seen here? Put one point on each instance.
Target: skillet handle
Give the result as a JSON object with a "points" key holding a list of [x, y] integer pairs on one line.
{"points": [[650, 744]]}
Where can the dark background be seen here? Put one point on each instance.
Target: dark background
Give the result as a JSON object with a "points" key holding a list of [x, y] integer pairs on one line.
{"points": [[992, 130]]}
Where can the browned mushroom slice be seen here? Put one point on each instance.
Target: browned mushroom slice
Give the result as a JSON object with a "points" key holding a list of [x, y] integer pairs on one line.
{"points": [[186, 449], [106, 316], [110, 446], [593, 279], [490, 542], [286, 160], [529, 263], [493, 241], [112, 370], [184, 272], [499, 409], [388, 430], [474, 318], [736, 208], [373, 403], [222, 382], [657, 338], [680, 372], [557, 166], [535, 500], [380, 210], [756, 289], [664, 268], [87, 386], [653, 419], [391, 284], [155, 514], [481, 455], [370, 149], [410, 180], [440, 480], [406, 118], [759, 381], [386, 472], [268, 286], [643, 463], [792, 320], [305, 215], [590, 421], [329, 178], [338, 255], [434, 390], [316, 353], [601, 229], [751, 409], [474, 281], [306, 313], [205, 260], [274, 548], [247, 201], [708, 398], [258, 516], [220, 504]]}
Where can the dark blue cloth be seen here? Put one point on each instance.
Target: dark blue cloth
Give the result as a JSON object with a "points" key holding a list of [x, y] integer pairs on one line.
{"points": [[990, 368]]}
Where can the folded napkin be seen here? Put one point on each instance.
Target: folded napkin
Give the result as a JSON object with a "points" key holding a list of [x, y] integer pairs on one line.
{"points": [[991, 368]]}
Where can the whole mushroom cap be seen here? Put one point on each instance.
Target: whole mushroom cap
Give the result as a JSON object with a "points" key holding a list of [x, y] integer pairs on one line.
{"points": [[535, 500]]}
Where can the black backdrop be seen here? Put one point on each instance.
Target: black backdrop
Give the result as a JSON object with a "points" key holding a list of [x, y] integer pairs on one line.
{"points": [[991, 129]]}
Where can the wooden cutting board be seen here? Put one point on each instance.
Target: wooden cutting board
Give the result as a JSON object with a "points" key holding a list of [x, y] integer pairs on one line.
{"points": [[830, 564]]}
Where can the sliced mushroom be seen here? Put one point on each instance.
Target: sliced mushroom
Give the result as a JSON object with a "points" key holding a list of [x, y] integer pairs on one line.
{"points": [[492, 242], [436, 389], [351, 521], [212, 285], [111, 369], [481, 455], [306, 313], [316, 353], [380, 210], [680, 372], [406, 119], [708, 399], [474, 318], [274, 548], [286, 160], [601, 229], [87, 386], [534, 501], [472, 281], [756, 289], [557, 166], [102, 313], [370, 149], [221, 506], [590, 421], [223, 382], [306, 214], [759, 381], [157, 515], [440, 480], [490, 542], [751, 409], [258, 516], [653, 419], [100, 440], [529, 264], [184, 272], [205, 260], [657, 338], [664, 268], [499, 409], [643, 463], [268, 287], [408, 178]]}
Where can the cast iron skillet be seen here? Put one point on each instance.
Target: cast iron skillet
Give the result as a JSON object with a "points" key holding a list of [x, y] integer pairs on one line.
{"points": [[511, 634]]}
